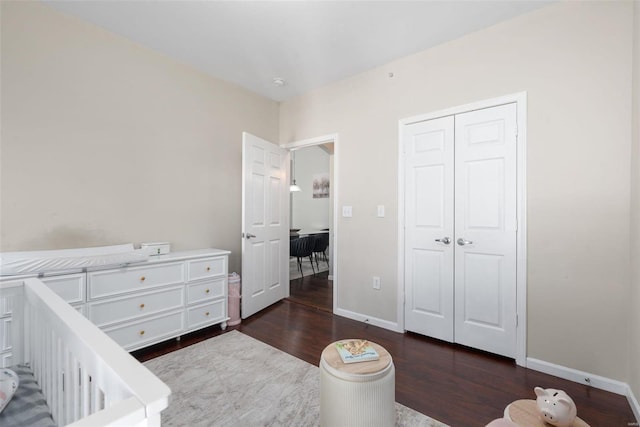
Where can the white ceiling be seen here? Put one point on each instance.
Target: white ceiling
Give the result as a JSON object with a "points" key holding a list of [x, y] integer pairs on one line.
{"points": [[307, 43]]}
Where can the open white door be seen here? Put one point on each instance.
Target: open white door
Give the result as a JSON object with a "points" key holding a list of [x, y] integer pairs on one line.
{"points": [[265, 224]]}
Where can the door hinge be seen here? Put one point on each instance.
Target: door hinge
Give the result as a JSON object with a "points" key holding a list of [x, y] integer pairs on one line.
{"points": [[517, 321]]}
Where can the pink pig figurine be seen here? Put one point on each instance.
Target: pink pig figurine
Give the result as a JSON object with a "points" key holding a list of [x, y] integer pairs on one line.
{"points": [[555, 407]]}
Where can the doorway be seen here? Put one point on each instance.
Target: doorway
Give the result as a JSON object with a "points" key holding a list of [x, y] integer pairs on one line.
{"points": [[312, 222], [462, 237]]}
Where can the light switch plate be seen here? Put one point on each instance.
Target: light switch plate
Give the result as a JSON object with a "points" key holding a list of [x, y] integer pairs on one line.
{"points": [[380, 211], [347, 211]]}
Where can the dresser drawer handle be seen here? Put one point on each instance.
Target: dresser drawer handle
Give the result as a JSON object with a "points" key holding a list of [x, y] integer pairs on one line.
{"points": [[206, 291], [141, 333], [208, 268], [142, 279], [141, 306], [207, 313]]}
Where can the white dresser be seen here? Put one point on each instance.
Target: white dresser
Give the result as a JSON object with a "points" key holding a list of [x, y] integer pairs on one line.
{"points": [[143, 303]]}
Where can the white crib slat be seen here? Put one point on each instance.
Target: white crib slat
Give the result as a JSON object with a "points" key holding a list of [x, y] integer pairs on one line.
{"points": [[55, 378], [86, 394], [60, 379], [42, 348], [51, 371], [47, 365], [68, 392], [101, 400], [53, 360], [28, 339], [97, 398], [76, 381], [46, 371], [38, 346]]}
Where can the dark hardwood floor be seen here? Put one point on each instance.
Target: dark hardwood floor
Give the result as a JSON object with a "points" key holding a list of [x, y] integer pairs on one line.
{"points": [[314, 290], [453, 384]]}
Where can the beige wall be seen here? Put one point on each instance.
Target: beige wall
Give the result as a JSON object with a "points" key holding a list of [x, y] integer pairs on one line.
{"points": [[573, 60], [634, 307], [307, 212], [106, 142]]}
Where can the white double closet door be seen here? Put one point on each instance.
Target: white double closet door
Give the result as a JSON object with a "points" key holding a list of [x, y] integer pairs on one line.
{"points": [[460, 228]]}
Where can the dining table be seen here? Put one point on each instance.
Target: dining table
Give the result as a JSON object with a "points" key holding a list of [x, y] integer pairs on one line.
{"points": [[306, 232]]}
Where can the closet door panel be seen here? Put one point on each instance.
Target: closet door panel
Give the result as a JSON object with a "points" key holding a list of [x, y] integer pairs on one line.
{"points": [[485, 224], [428, 148]]}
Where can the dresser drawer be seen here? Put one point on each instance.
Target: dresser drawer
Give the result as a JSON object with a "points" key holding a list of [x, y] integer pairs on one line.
{"points": [[205, 268], [138, 334], [80, 309], [5, 305], [104, 312], [69, 287], [5, 334], [124, 280], [13, 288], [197, 292], [6, 360], [206, 313]]}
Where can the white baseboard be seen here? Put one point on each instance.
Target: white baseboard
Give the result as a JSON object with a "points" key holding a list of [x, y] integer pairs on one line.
{"points": [[603, 383], [635, 406], [392, 326], [581, 377]]}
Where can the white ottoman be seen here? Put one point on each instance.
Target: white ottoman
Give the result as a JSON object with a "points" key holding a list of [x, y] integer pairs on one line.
{"points": [[357, 394]]}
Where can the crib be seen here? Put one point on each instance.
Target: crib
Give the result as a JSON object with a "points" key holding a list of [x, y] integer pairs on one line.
{"points": [[86, 378]]}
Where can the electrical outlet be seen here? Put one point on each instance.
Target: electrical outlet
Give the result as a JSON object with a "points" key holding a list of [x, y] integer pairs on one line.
{"points": [[376, 282]]}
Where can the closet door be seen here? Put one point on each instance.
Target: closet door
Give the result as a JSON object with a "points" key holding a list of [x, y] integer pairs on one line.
{"points": [[428, 252], [485, 224]]}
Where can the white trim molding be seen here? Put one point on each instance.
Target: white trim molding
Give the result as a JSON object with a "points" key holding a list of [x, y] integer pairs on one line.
{"points": [[368, 319], [327, 139], [586, 378], [319, 140], [635, 406], [520, 99]]}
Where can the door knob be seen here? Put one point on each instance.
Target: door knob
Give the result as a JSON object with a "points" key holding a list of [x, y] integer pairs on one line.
{"points": [[444, 240], [463, 242], [249, 235]]}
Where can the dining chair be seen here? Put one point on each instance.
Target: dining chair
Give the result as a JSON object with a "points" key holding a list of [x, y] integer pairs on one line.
{"points": [[320, 247], [302, 248]]}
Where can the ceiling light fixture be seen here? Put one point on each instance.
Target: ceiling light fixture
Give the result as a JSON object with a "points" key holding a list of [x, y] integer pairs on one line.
{"points": [[294, 187], [279, 81]]}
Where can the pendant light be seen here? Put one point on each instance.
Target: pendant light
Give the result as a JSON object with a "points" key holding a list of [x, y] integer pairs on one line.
{"points": [[294, 187]]}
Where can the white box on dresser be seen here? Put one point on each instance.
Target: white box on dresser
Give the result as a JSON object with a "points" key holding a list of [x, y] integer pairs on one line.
{"points": [[143, 303]]}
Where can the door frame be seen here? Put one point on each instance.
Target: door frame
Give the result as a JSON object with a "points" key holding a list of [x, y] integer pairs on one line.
{"points": [[326, 139], [520, 99]]}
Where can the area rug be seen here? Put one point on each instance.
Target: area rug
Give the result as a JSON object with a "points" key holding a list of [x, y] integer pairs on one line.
{"points": [[235, 380], [294, 273]]}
